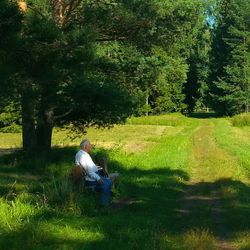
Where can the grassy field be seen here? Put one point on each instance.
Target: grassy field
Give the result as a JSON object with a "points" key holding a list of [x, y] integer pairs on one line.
{"points": [[184, 185]]}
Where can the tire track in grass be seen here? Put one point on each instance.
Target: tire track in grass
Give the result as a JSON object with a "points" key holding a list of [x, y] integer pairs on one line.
{"points": [[202, 212]]}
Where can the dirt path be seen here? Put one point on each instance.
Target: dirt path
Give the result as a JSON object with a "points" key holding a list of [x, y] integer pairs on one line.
{"points": [[202, 204]]}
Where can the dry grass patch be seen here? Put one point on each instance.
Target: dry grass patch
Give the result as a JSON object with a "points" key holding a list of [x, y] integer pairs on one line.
{"points": [[138, 147], [128, 138], [199, 239]]}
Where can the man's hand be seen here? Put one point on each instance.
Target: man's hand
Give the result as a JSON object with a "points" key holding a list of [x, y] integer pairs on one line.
{"points": [[100, 181]]}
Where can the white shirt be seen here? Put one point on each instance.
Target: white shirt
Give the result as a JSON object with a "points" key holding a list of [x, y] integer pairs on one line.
{"points": [[84, 160]]}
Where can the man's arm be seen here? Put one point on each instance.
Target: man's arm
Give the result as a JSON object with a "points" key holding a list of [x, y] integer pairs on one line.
{"points": [[89, 167]]}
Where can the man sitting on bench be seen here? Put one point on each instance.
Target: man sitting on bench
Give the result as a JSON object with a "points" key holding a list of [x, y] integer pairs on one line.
{"points": [[93, 177]]}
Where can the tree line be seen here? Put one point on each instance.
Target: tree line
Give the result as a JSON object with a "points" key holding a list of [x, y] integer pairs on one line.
{"points": [[94, 63]]}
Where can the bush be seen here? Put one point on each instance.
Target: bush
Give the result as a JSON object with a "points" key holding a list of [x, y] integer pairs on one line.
{"points": [[13, 128], [241, 120]]}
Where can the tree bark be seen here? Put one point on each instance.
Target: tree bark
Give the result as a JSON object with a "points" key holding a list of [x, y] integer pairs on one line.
{"points": [[28, 123], [36, 133], [44, 131]]}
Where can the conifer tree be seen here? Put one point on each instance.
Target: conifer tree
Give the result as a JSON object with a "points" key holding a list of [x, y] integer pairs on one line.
{"points": [[76, 61], [196, 86], [230, 68]]}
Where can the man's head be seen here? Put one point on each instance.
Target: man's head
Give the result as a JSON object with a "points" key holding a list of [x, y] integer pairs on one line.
{"points": [[85, 145]]}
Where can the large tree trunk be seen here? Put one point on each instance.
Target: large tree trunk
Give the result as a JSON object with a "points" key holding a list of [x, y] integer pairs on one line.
{"points": [[28, 124], [36, 133], [44, 131]]}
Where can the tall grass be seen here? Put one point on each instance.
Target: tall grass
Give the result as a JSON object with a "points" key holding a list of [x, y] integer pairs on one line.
{"points": [[235, 140], [199, 239], [16, 212], [241, 120], [68, 198], [152, 158], [167, 120]]}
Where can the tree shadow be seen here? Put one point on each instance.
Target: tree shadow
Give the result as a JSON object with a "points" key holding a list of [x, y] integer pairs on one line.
{"points": [[154, 194], [221, 206], [19, 171], [162, 209], [203, 115]]}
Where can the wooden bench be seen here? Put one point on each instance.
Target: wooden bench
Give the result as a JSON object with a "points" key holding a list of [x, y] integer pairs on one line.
{"points": [[78, 174]]}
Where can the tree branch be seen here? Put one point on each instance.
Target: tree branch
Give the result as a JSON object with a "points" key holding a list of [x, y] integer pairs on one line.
{"points": [[36, 10], [73, 4], [56, 117], [109, 39]]}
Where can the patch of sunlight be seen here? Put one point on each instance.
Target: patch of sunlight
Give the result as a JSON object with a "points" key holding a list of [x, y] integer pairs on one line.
{"points": [[16, 213], [210, 162], [67, 232], [10, 140], [243, 240], [107, 144], [117, 135], [240, 136], [200, 239]]}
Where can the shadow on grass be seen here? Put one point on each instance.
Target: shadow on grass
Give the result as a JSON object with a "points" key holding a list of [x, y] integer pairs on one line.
{"points": [[221, 206], [158, 217], [203, 115], [19, 171], [139, 225], [154, 193], [18, 161]]}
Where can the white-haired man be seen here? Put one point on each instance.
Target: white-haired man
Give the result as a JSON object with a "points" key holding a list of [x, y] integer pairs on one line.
{"points": [[93, 178]]}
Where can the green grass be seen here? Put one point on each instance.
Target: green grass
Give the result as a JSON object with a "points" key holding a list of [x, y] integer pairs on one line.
{"points": [[162, 167], [175, 119], [241, 120], [235, 140], [10, 140]]}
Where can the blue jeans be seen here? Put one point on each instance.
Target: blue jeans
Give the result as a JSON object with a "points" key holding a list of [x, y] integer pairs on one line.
{"points": [[104, 188]]}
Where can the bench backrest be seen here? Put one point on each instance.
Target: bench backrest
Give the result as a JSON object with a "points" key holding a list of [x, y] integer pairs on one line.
{"points": [[78, 174]]}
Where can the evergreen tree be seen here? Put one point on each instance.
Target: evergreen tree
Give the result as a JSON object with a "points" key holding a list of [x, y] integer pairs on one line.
{"points": [[230, 68], [54, 74], [77, 61], [165, 66], [196, 86]]}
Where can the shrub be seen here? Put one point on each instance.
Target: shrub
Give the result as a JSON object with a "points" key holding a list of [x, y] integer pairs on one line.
{"points": [[13, 128], [241, 120]]}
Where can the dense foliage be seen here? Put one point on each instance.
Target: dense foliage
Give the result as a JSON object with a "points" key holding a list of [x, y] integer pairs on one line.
{"points": [[94, 63], [230, 78]]}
